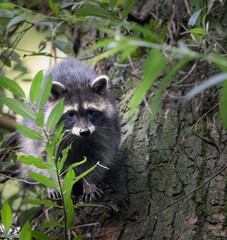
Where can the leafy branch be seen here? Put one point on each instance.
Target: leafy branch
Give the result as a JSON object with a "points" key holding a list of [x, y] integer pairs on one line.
{"points": [[39, 93]]}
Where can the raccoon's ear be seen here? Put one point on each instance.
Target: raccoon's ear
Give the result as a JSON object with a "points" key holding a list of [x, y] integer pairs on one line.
{"points": [[57, 91], [99, 85]]}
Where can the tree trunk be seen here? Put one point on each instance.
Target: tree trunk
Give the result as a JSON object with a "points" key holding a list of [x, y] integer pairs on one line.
{"points": [[164, 167], [170, 182]]}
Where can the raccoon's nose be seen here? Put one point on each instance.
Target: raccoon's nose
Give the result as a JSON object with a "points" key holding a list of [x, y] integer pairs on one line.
{"points": [[84, 132]]}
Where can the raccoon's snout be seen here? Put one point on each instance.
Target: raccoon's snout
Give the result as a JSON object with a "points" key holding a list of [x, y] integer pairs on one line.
{"points": [[84, 132]]}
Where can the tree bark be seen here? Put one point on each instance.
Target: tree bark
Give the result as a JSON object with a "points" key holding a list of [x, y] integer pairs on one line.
{"points": [[172, 181]]}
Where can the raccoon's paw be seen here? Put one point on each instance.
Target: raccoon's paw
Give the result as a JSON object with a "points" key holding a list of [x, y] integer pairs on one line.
{"points": [[91, 192], [53, 193]]}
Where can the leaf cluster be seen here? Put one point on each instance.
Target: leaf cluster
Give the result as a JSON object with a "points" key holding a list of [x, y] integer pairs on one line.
{"points": [[39, 92]]}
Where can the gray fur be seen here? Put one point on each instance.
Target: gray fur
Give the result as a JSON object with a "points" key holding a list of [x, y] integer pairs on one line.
{"points": [[103, 143]]}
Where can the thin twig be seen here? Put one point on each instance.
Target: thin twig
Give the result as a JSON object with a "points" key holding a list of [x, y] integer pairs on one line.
{"points": [[190, 129], [187, 75], [19, 179], [219, 45]]}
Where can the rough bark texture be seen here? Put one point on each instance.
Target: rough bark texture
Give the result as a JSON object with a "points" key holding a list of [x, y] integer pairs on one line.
{"points": [[162, 162]]}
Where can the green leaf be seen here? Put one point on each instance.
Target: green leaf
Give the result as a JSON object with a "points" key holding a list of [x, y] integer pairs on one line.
{"points": [[54, 7], [46, 203], [29, 160], [84, 174], [61, 45], [77, 164], [36, 83], [127, 8], [67, 190], [19, 108], [51, 224], [39, 118], [62, 160], [12, 86], [68, 184], [69, 213], [223, 104], [198, 31], [38, 162], [55, 115], [194, 17], [95, 12], [16, 20], [120, 2], [28, 132], [113, 3], [163, 84], [214, 80], [50, 158], [58, 143], [88, 205], [10, 6], [25, 233], [44, 91], [40, 236], [1, 142], [126, 53], [54, 138], [6, 215], [152, 68], [43, 180], [79, 237]]}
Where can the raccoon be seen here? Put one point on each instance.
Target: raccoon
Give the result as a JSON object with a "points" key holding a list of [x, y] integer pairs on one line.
{"points": [[91, 124]]}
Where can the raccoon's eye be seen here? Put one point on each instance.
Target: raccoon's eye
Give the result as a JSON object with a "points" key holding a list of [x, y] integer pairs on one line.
{"points": [[71, 113], [91, 111]]}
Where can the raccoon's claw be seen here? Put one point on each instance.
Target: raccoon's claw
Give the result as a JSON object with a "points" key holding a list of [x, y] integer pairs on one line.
{"points": [[53, 193], [91, 192]]}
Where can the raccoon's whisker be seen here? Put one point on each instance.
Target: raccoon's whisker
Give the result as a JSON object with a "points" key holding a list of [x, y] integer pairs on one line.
{"points": [[67, 139], [100, 165]]}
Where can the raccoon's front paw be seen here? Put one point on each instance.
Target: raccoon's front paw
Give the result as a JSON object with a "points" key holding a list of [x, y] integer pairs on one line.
{"points": [[91, 192], [53, 193]]}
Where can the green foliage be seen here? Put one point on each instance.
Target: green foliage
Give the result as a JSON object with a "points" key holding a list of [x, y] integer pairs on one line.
{"points": [[36, 83], [30, 133], [46, 203], [6, 215], [127, 8], [19, 107], [223, 104], [40, 236], [44, 91], [163, 84], [55, 116], [54, 164], [16, 20], [43, 180], [153, 67], [54, 7], [129, 40], [12, 86], [40, 119], [36, 161], [25, 233]]}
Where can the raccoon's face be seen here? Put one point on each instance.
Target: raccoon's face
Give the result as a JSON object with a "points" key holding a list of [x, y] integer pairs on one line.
{"points": [[87, 107]]}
